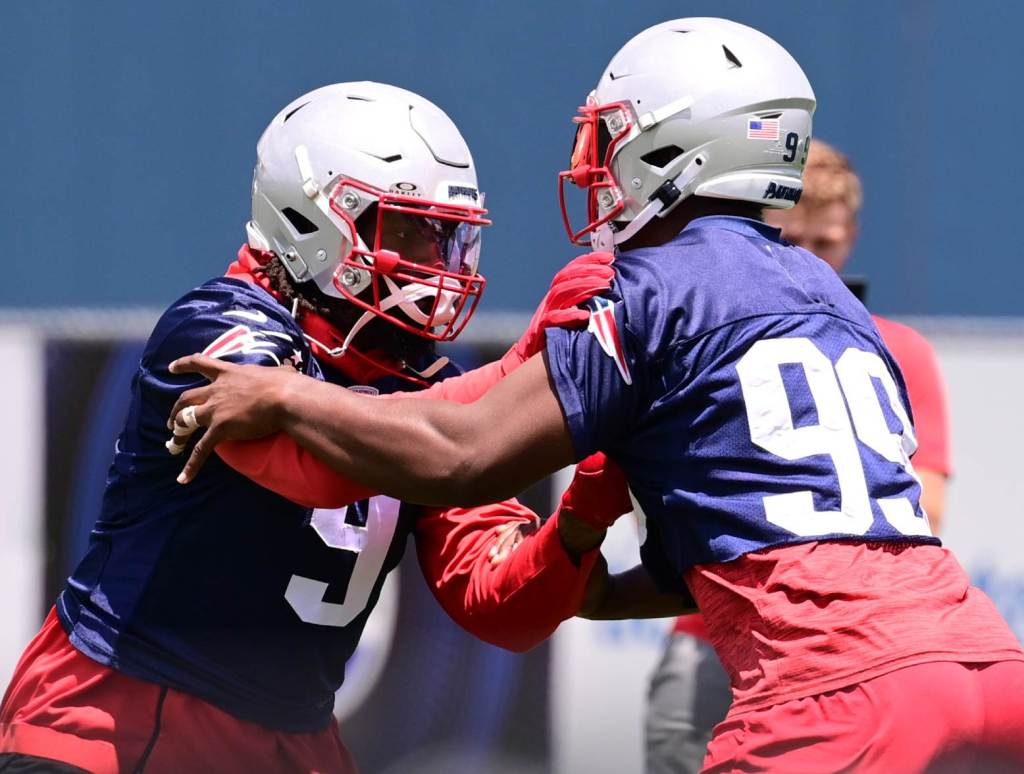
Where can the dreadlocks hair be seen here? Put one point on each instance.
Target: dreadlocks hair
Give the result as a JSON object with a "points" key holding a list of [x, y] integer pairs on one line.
{"points": [[307, 293], [376, 334]]}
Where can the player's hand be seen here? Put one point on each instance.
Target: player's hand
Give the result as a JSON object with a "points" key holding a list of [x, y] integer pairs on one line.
{"points": [[241, 402], [598, 494], [579, 280], [508, 537]]}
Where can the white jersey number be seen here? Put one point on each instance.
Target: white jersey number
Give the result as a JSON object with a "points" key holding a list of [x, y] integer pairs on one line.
{"points": [[371, 543], [840, 392]]}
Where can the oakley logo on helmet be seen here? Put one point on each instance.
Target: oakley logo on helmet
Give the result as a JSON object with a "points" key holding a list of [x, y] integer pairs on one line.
{"points": [[776, 191], [464, 191], [405, 187]]}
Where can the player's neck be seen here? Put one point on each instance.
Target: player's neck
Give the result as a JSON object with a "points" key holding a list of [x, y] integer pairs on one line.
{"points": [[662, 230]]}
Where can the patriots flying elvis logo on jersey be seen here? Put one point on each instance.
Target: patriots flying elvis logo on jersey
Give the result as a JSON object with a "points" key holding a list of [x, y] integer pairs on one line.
{"points": [[602, 324], [241, 339]]}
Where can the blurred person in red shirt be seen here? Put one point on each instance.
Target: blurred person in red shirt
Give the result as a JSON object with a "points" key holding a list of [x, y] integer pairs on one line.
{"points": [[690, 691]]}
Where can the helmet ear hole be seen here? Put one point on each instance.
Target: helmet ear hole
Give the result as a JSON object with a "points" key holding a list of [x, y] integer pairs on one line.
{"points": [[604, 139], [366, 226], [299, 222], [663, 156]]}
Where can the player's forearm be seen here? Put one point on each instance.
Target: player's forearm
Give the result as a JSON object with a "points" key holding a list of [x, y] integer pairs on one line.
{"points": [[632, 594], [278, 463], [434, 452], [368, 439]]}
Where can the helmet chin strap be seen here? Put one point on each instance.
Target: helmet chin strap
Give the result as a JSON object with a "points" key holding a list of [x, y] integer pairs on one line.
{"points": [[406, 296], [661, 203]]}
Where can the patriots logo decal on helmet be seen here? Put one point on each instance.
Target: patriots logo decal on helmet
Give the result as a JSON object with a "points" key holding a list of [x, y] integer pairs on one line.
{"points": [[602, 324]]}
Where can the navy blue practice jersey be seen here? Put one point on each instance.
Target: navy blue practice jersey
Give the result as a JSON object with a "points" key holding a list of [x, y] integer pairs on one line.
{"points": [[222, 588], [747, 395]]}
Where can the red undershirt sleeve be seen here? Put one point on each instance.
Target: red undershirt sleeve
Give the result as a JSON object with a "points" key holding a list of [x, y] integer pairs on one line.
{"points": [[278, 463], [516, 604], [464, 388]]}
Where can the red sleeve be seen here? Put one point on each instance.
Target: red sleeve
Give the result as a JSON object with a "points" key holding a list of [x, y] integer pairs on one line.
{"points": [[516, 604], [278, 463], [693, 625], [920, 367], [464, 388]]}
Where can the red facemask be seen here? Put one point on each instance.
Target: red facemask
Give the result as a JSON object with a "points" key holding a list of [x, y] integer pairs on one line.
{"points": [[600, 128], [422, 262]]}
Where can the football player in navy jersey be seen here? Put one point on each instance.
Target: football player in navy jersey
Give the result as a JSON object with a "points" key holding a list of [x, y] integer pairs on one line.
{"points": [[760, 421], [207, 627]]}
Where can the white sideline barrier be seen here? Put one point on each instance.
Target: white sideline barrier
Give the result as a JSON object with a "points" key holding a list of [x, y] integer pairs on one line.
{"points": [[984, 521], [21, 482]]}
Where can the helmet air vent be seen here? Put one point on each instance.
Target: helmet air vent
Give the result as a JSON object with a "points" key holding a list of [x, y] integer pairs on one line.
{"points": [[293, 112], [663, 156], [300, 222], [733, 61]]}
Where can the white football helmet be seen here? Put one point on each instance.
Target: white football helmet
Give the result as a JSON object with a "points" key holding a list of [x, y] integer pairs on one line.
{"points": [[354, 149], [701, 106]]}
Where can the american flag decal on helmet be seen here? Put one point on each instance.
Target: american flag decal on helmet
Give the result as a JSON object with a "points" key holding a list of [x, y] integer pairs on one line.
{"points": [[602, 324]]}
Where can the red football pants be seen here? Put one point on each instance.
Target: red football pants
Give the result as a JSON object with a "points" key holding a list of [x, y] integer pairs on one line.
{"points": [[935, 717], [64, 706]]}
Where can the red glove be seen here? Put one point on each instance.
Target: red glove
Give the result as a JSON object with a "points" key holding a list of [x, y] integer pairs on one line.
{"points": [[579, 280], [598, 494]]}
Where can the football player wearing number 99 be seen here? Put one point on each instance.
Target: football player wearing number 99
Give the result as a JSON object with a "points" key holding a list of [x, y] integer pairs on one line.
{"points": [[759, 418], [207, 627], [689, 692]]}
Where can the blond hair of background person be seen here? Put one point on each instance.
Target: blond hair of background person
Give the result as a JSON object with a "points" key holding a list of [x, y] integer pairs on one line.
{"points": [[690, 690]]}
